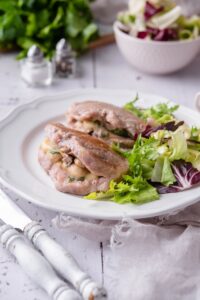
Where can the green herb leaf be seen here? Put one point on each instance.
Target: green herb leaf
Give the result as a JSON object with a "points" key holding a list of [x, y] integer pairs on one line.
{"points": [[43, 22], [54, 151], [121, 132]]}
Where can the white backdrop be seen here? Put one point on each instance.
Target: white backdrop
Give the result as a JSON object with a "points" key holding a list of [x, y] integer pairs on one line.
{"points": [[105, 10]]}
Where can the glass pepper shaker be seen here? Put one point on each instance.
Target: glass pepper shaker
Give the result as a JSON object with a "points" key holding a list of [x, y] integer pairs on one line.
{"points": [[65, 60], [35, 69]]}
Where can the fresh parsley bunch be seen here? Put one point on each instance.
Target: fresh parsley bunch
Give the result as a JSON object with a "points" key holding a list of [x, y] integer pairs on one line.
{"points": [[44, 22]]}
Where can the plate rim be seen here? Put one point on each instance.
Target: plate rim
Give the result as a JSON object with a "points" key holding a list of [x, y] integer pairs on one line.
{"points": [[33, 104]]}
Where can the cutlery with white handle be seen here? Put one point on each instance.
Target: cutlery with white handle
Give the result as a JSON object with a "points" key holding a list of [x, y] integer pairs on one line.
{"points": [[59, 258], [35, 265]]}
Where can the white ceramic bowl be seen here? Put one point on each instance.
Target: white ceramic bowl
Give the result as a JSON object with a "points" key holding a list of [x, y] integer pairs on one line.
{"points": [[156, 57]]}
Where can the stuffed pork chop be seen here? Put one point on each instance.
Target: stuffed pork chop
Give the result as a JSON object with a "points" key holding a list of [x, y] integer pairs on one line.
{"points": [[78, 163], [105, 121]]}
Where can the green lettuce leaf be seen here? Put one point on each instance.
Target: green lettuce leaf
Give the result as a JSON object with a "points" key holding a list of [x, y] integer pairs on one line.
{"points": [[130, 190], [185, 34], [130, 106], [195, 134], [126, 18], [178, 146], [193, 156], [161, 112], [189, 23], [142, 157], [162, 172]]}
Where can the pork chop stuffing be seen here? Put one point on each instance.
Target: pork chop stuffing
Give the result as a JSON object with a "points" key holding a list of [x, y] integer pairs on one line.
{"points": [[105, 121], [77, 162]]}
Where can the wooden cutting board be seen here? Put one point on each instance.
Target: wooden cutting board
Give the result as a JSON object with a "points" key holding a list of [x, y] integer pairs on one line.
{"points": [[103, 40]]}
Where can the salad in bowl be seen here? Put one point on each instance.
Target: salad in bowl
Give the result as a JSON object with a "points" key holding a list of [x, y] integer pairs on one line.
{"points": [[158, 21], [155, 37]]}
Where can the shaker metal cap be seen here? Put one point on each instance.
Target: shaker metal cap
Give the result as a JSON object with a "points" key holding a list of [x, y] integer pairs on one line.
{"points": [[35, 54], [62, 47]]}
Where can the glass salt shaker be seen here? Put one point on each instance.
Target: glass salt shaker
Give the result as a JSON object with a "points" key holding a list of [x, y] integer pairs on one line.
{"points": [[65, 60], [35, 69]]}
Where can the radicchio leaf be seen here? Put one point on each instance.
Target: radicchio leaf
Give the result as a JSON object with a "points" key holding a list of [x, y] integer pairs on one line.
{"points": [[167, 34], [171, 126], [152, 31], [151, 10], [186, 177], [148, 131], [142, 34]]}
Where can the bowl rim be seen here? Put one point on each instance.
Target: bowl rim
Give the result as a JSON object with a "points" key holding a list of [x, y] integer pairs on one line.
{"points": [[151, 42]]}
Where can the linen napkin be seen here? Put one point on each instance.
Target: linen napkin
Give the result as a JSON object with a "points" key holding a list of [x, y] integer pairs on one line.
{"points": [[157, 258]]}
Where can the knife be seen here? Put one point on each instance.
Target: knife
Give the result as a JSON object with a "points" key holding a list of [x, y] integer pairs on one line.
{"points": [[59, 258], [34, 264]]}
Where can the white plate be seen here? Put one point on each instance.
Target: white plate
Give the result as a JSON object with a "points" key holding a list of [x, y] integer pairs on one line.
{"points": [[22, 132]]}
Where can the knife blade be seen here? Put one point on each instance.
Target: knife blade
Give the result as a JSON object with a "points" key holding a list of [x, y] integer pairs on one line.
{"points": [[62, 261], [33, 263], [11, 214]]}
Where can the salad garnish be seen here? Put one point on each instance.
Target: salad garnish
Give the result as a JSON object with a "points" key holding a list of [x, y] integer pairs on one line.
{"points": [[158, 20], [186, 176], [165, 158]]}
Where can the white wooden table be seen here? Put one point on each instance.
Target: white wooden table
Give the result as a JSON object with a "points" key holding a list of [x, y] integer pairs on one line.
{"points": [[102, 68]]}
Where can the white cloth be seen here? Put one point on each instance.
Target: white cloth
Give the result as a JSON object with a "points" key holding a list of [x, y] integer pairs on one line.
{"points": [[153, 259], [154, 263]]}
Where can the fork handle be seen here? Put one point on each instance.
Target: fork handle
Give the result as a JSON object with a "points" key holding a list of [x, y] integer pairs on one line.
{"points": [[63, 262], [35, 265]]}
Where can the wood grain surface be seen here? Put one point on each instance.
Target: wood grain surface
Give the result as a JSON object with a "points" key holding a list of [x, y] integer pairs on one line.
{"points": [[102, 68]]}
